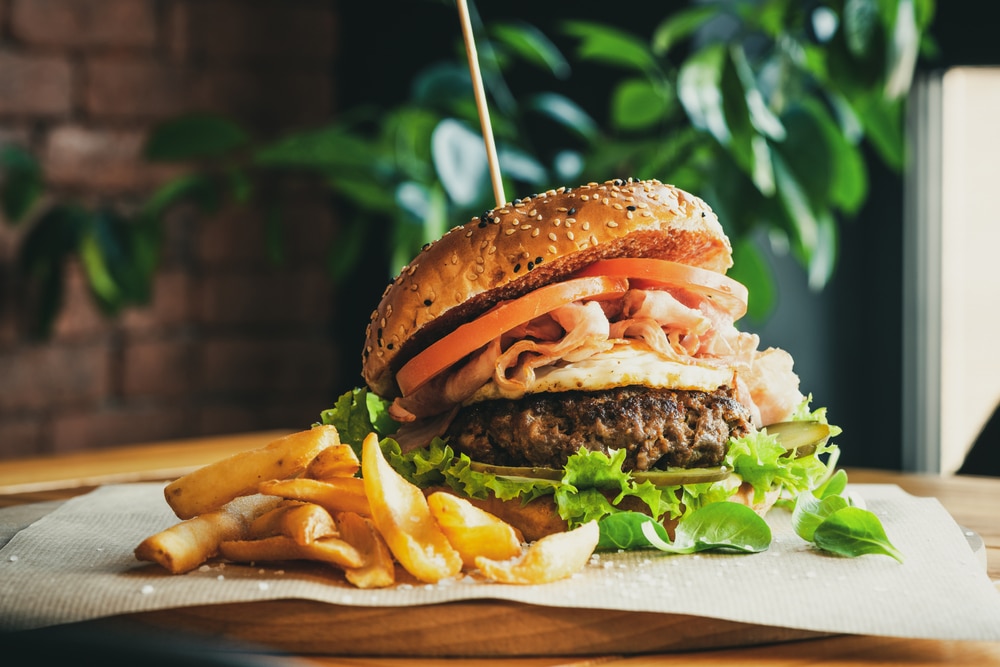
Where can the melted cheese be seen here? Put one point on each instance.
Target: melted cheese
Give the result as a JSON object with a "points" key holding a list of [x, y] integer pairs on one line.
{"points": [[619, 367]]}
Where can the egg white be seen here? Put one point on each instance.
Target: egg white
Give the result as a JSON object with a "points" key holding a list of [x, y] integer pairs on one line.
{"points": [[621, 366]]}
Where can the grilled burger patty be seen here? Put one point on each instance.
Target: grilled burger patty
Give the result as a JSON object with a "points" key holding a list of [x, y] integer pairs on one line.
{"points": [[656, 427]]}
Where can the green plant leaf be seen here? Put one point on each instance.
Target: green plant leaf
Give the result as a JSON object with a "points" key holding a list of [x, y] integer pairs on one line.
{"points": [[22, 183], [638, 104], [699, 90], [611, 46], [902, 51], [860, 18], [564, 111], [533, 45], [438, 85], [460, 161], [679, 26], [331, 147], [751, 269], [195, 137], [763, 119], [795, 201], [42, 259]]}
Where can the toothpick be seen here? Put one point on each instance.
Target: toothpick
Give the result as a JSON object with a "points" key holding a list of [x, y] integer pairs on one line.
{"points": [[484, 112]]}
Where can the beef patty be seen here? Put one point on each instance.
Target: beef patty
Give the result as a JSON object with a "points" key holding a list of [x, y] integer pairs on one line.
{"points": [[656, 427]]}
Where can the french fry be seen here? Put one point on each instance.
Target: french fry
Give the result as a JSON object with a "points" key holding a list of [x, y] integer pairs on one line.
{"points": [[379, 570], [472, 531], [330, 550], [342, 494], [303, 522], [186, 545], [336, 461], [400, 512], [214, 485], [551, 558]]}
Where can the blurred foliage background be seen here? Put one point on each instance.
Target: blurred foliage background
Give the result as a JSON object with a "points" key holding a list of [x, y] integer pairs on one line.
{"points": [[768, 109]]}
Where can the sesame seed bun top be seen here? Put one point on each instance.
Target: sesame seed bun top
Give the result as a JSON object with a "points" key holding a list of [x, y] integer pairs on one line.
{"points": [[528, 243]]}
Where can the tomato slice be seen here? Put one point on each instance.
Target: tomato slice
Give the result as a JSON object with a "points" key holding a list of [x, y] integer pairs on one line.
{"points": [[644, 273], [471, 336]]}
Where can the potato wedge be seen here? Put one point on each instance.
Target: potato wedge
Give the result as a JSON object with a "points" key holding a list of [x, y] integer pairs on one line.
{"points": [[303, 522], [186, 545], [330, 550], [214, 485], [472, 531], [400, 512], [336, 461], [551, 558], [379, 570], [342, 494]]}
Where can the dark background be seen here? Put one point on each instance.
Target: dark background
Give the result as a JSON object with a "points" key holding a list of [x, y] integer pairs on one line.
{"points": [[846, 339]]}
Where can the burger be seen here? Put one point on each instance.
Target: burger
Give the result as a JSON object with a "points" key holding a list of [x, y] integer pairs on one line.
{"points": [[574, 354]]}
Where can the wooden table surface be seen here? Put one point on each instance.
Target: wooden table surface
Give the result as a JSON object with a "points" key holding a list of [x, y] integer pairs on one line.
{"points": [[974, 502]]}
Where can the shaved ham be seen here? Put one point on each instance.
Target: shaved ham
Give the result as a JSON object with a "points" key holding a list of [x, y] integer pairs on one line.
{"points": [[587, 332], [678, 326], [664, 308], [773, 386]]}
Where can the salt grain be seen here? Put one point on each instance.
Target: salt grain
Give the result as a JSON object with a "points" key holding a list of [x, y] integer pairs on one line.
{"points": [[263, 585], [147, 589], [13, 559]]}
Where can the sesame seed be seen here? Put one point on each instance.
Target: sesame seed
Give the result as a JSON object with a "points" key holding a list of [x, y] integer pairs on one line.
{"points": [[472, 275], [552, 249], [533, 212], [628, 214], [552, 236], [593, 239], [570, 236], [413, 287], [536, 231], [557, 222], [647, 214], [585, 225], [562, 209], [468, 233], [517, 267], [611, 223], [631, 208], [572, 211], [525, 227], [479, 268], [492, 250], [510, 231], [427, 302], [605, 201], [617, 206], [585, 197]]}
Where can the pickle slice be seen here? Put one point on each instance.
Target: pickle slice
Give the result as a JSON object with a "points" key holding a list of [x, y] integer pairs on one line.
{"points": [[668, 477], [517, 471], [680, 476], [800, 438]]}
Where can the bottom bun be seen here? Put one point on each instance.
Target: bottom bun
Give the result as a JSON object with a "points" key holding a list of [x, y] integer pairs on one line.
{"points": [[539, 518]]}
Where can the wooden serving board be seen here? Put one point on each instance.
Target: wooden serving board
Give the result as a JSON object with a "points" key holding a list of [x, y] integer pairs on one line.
{"points": [[481, 628]]}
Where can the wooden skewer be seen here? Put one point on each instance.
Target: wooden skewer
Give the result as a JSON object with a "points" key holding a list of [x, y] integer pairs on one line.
{"points": [[484, 112]]}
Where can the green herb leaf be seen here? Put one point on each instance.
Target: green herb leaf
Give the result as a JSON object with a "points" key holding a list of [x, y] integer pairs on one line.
{"points": [[852, 531], [719, 526], [724, 525], [355, 414], [811, 511]]}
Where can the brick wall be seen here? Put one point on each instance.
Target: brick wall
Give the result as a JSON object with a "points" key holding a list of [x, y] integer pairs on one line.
{"points": [[230, 342]]}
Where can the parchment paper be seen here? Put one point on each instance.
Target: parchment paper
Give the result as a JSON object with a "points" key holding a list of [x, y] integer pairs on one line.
{"points": [[76, 563]]}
